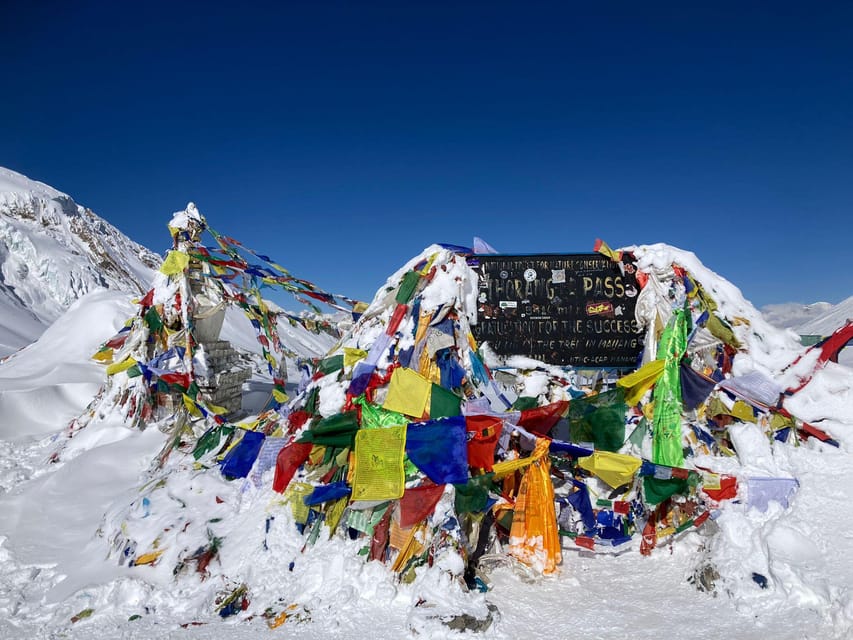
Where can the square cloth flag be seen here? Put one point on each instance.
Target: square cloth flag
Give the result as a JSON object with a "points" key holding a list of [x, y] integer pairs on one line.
{"points": [[379, 471], [408, 393]]}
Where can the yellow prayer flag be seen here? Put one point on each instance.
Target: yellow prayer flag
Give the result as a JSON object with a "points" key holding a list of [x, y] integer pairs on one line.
{"points": [[149, 558], [602, 247], [641, 380], [295, 496], [215, 408], [189, 403], [317, 454], [379, 471], [408, 393], [176, 262], [280, 396], [742, 411], [352, 355], [711, 481], [506, 467], [428, 265], [334, 512], [279, 267], [615, 469], [471, 342], [124, 365], [104, 355]]}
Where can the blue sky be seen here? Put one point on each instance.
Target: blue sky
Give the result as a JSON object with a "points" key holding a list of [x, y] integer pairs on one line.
{"points": [[343, 138]]}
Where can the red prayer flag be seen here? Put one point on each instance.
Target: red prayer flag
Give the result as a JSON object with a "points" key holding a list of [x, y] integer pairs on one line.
{"points": [[148, 300], [297, 419], [542, 419], [397, 318], [813, 431], [117, 341], [585, 542], [680, 474], [379, 541], [621, 507], [727, 490], [289, 459], [650, 536], [180, 379], [481, 446], [418, 502]]}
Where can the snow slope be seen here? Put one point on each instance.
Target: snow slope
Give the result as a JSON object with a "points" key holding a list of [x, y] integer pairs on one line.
{"points": [[789, 315], [51, 566], [53, 251]]}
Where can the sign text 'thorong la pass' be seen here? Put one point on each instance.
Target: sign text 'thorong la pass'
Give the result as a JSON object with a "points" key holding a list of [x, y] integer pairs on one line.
{"points": [[571, 309]]}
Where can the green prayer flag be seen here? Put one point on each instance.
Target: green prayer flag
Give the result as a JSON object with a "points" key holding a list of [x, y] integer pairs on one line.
{"points": [[599, 419], [523, 403], [666, 441], [312, 399], [473, 497], [193, 390], [638, 435], [375, 417], [210, 439], [407, 287], [153, 320], [331, 364], [443, 403], [657, 490], [335, 431]]}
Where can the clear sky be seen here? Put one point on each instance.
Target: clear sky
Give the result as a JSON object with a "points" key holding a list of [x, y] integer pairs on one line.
{"points": [[343, 138]]}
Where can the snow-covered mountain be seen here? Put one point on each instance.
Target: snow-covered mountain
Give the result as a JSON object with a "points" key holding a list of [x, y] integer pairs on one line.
{"points": [[818, 319], [52, 252], [790, 315]]}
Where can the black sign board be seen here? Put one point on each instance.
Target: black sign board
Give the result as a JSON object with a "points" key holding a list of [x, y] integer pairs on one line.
{"points": [[575, 309]]}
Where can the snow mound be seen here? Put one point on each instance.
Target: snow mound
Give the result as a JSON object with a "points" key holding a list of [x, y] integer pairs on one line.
{"points": [[185, 543]]}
